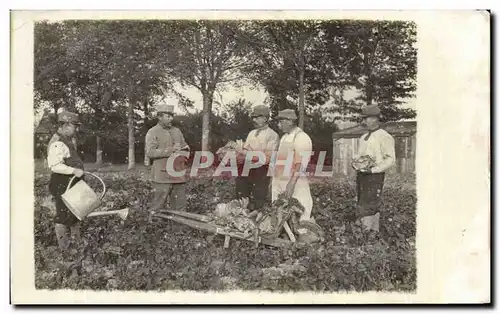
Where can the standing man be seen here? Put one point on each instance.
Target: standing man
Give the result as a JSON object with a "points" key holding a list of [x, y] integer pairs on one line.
{"points": [[162, 142], [293, 155], [255, 186], [64, 163], [379, 145]]}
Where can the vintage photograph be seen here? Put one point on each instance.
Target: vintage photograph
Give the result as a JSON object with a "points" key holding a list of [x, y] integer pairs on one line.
{"points": [[215, 155], [250, 157]]}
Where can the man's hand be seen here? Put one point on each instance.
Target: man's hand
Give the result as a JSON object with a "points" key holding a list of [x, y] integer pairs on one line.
{"points": [[240, 151], [240, 156], [78, 173], [176, 147], [366, 170]]}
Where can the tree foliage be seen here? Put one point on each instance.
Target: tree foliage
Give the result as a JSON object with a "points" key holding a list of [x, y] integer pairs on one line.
{"points": [[284, 54], [378, 58], [112, 71], [207, 56]]}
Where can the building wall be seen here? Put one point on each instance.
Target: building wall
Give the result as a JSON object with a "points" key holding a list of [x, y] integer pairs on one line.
{"points": [[345, 148]]}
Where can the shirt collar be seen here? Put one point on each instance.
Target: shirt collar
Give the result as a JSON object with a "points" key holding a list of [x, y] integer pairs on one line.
{"points": [[258, 130], [62, 136], [294, 130], [164, 127], [370, 132]]}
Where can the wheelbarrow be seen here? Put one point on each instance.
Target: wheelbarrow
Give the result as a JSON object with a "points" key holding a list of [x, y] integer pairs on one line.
{"points": [[82, 200], [205, 223]]}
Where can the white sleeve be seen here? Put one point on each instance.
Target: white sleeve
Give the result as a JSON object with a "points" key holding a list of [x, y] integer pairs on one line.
{"points": [[388, 149], [303, 149], [246, 145], [302, 143], [58, 151]]}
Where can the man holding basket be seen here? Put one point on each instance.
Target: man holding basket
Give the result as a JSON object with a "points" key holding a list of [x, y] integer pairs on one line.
{"points": [[255, 185], [376, 154]]}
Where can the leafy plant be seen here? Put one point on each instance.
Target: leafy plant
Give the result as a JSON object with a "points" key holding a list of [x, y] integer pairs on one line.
{"points": [[136, 254]]}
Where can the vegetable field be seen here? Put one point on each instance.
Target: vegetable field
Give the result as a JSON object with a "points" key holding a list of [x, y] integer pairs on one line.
{"points": [[136, 254]]}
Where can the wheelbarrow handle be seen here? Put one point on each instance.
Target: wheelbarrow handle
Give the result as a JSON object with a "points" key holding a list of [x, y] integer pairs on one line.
{"points": [[95, 176]]}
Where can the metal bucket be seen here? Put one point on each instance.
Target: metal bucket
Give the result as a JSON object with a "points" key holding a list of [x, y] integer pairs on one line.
{"points": [[80, 199]]}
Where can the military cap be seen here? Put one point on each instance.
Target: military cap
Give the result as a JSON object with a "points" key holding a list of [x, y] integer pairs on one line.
{"points": [[288, 114], [165, 108], [260, 111], [68, 117], [370, 111]]}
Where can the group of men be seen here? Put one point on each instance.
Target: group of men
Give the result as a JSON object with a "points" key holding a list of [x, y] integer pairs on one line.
{"points": [[165, 140]]}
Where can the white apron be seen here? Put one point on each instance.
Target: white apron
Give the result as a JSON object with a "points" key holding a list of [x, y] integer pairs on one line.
{"points": [[302, 192]]}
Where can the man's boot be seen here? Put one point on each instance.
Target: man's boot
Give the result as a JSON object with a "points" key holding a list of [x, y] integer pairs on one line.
{"points": [[75, 233], [75, 239], [62, 235]]}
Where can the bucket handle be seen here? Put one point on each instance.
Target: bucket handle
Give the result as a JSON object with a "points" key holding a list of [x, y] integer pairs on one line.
{"points": [[102, 182]]}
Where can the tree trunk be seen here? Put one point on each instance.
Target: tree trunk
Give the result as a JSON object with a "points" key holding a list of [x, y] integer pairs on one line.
{"points": [[207, 110], [131, 137], [369, 92], [368, 73], [146, 120], [98, 149], [99, 118], [98, 157], [301, 98]]}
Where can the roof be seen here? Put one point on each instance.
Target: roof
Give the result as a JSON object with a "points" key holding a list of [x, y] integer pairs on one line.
{"points": [[400, 128]]}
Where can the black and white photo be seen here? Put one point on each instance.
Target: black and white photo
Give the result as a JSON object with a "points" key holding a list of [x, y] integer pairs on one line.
{"points": [[216, 155]]}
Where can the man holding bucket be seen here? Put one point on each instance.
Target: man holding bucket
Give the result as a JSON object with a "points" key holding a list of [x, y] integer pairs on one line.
{"points": [[167, 149], [64, 163]]}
